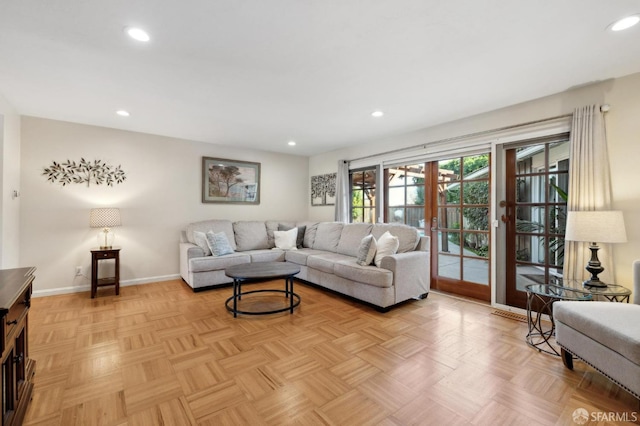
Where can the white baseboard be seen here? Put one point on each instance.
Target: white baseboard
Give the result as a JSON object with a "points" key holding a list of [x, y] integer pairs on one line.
{"points": [[81, 288]]}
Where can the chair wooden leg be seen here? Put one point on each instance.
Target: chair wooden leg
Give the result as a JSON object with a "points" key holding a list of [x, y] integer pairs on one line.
{"points": [[567, 358]]}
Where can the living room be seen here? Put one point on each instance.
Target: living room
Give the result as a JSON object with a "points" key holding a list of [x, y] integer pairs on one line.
{"points": [[46, 225]]}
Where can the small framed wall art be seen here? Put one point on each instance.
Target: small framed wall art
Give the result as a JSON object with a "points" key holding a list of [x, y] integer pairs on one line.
{"points": [[230, 181], [323, 190]]}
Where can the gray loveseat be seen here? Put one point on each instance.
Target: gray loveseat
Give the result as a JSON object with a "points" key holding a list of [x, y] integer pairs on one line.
{"points": [[327, 258]]}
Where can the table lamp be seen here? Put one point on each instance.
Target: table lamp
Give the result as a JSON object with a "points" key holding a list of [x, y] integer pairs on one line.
{"points": [[595, 227], [105, 218]]}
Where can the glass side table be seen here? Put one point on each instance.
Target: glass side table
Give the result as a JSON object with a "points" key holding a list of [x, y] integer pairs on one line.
{"points": [[540, 299]]}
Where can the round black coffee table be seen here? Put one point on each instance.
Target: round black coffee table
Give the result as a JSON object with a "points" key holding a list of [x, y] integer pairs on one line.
{"points": [[248, 272]]}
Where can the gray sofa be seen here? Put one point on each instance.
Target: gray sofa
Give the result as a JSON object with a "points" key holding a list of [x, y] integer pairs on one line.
{"points": [[327, 258]]}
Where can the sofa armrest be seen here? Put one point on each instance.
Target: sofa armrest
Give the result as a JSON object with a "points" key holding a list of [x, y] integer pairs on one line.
{"points": [[424, 244], [411, 273], [188, 251]]}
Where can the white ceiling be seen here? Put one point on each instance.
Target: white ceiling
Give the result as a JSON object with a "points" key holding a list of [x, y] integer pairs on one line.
{"points": [[258, 73]]}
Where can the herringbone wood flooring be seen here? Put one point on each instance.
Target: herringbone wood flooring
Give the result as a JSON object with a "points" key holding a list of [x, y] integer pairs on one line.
{"points": [[160, 354]]}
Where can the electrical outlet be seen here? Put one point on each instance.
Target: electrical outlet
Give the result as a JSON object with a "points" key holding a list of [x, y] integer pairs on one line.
{"points": [[78, 270]]}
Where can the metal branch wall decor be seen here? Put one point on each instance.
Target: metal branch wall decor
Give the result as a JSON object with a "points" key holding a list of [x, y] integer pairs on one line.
{"points": [[323, 189], [97, 172]]}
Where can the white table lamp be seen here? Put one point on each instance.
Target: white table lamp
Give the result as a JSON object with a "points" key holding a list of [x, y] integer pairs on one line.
{"points": [[595, 227], [105, 218]]}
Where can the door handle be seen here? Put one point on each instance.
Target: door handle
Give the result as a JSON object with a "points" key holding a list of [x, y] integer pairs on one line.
{"points": [[506, 218]]}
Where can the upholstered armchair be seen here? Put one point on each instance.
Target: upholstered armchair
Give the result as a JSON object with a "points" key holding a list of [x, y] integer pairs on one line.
{"points": [[604, 335]]}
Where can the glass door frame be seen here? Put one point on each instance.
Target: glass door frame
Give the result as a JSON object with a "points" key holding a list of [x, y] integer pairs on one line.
{"points": [[432, 210], [544, 202]]}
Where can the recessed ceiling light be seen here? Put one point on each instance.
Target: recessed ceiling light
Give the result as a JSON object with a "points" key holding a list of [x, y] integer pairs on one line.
{"points": [[123, 113], [625, 23], [291, 143], [377, 114], [138, 34]]}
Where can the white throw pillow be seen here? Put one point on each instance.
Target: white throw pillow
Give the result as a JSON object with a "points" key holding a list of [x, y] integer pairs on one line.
{"points": [[218, 243], [286, 240], [387, 245], [201, 241], [367, 250]]}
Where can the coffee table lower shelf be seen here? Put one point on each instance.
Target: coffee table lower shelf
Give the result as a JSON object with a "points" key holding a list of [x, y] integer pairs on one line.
{"points": [[233, 307]]}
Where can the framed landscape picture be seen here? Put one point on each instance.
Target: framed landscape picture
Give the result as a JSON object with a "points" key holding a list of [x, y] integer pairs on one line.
{"points": [[230, 181]]}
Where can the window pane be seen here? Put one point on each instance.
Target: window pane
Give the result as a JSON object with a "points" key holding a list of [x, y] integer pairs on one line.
{"points": [[476, 192], [557, 220], [476, 218], [476, 167], [356, 197], [475, 271], [396, 196], [449, 217], [395, 215], [369, 197], [449, 242], [357, 179], [558, 187], [556, 252], [415, 195], [476, 244], [449, 170], [530, 248], [396, 176], [530, 219], [449, 266], [369, 216], [356, 215], [449, 193], [415, 217]]}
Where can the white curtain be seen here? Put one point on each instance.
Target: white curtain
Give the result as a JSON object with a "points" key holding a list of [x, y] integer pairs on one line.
{"points": [[342, 192], [589, 186]]}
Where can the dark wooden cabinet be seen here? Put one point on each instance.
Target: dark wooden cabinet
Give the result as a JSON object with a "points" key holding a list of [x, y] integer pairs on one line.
{"points": [[17, 368]]}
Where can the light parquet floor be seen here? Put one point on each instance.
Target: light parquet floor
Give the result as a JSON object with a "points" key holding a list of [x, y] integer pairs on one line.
{"points": [[160, 354]]}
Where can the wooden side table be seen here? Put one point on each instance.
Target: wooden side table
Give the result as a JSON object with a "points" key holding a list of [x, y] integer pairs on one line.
{"points": [[98, 254]]}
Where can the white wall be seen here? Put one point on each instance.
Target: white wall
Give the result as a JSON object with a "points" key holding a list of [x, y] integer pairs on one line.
{"points": [[9, 181], [623, 133], [161, 195]]}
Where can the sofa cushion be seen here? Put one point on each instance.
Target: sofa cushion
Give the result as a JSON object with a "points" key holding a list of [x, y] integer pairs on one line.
{"points": [[218, 243], [299, 257], [614, 325], [225, 226], [286, 240], [351, 237], [387, 246], [408, 237], [328, 236], [250, 235], [300, 236], [326, 262], [274, 225], [309, 233], [212, 263], [201, 241], [367, 251], [371, 275]]}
